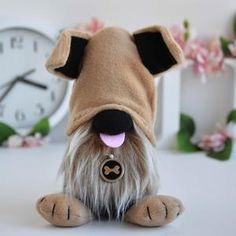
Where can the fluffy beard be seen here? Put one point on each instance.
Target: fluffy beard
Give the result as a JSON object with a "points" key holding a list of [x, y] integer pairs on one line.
{"points": [[82, 180]]}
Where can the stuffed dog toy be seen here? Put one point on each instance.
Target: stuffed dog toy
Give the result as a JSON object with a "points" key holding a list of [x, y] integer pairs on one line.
{"points": [[109, 167]]}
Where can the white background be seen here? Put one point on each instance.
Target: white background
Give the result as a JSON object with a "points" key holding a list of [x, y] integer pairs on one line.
{"points": [[209, 17]]}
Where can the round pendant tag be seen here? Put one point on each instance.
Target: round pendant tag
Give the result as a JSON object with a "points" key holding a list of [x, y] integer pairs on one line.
{"points": [[111, 170]]}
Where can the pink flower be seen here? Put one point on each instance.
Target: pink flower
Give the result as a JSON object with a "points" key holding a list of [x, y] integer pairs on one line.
{"points": [[215, 141], [178, 34], [93, 26], [32, 141], [216, 56], [232, 48], [207, 56], [17, 141], [197, 52], [14, 141]]}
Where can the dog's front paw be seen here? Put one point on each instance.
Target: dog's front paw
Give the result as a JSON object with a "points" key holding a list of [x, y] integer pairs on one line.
{"points": [[154, 211], [61, 210]]}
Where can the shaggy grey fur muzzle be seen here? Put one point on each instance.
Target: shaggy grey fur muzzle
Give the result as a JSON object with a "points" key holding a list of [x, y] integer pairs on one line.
{"points": [[82, 179]]}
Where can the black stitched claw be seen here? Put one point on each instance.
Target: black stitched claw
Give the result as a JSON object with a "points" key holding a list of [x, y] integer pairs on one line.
{"points": [[53, 209], [42, 199], [68, 213], [149, 214], [166, 209]]}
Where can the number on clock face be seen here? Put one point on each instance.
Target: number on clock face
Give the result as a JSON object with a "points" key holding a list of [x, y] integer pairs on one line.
{"points": [[1, 47], [17, 42], [1, 110], [27, 91]]}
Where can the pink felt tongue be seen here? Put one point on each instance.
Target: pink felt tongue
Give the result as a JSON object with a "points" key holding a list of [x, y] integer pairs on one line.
{"points": [[113, 141]]}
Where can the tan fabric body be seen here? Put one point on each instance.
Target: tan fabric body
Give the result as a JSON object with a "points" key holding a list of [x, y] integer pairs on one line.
{"points": [[113, 77]]}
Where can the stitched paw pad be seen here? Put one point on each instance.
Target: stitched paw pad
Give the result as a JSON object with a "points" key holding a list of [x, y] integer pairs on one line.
{"points": [[60, 210], [154, 211]]}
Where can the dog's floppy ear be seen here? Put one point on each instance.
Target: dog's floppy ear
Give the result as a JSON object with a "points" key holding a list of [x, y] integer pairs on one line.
{"points": [[66, 58], [157, 49]]}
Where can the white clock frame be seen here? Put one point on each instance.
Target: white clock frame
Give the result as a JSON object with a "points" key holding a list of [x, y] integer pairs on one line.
{"points": [[169, 107], [61, 112]]}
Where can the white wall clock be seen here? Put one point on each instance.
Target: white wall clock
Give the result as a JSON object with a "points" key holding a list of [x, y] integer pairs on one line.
{"points": [[27, 91]]}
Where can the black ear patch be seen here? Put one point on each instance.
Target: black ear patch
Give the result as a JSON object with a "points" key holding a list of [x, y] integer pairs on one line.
{"points": [[154, 52], [73, 64]]}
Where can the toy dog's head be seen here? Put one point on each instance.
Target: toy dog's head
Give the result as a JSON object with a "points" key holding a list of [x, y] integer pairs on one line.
{"points": [[112, 111]]}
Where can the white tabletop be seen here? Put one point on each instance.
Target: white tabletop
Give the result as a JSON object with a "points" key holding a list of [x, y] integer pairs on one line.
{"points": [[207, 187]]}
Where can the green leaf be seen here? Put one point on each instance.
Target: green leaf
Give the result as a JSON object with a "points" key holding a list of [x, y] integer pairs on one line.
{"points": [[184, 143], [42, 127], [187, 130], [186, 24], [5, 132], [186, 36], [187, 124], [225, 45], [232, 116], [225, 153]]}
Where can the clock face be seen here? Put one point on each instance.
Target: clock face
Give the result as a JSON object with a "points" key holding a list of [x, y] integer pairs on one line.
{"points": [[27, 91]]}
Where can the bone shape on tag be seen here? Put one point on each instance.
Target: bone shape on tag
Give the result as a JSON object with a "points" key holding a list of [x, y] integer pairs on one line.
{"points": [[115, 170]]}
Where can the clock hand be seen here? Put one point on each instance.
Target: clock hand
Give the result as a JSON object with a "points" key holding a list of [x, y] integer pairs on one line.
{"points": [[8, 83], [27, 73], [21, 79], [8, 90], [32, 83], [17, 78]]}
